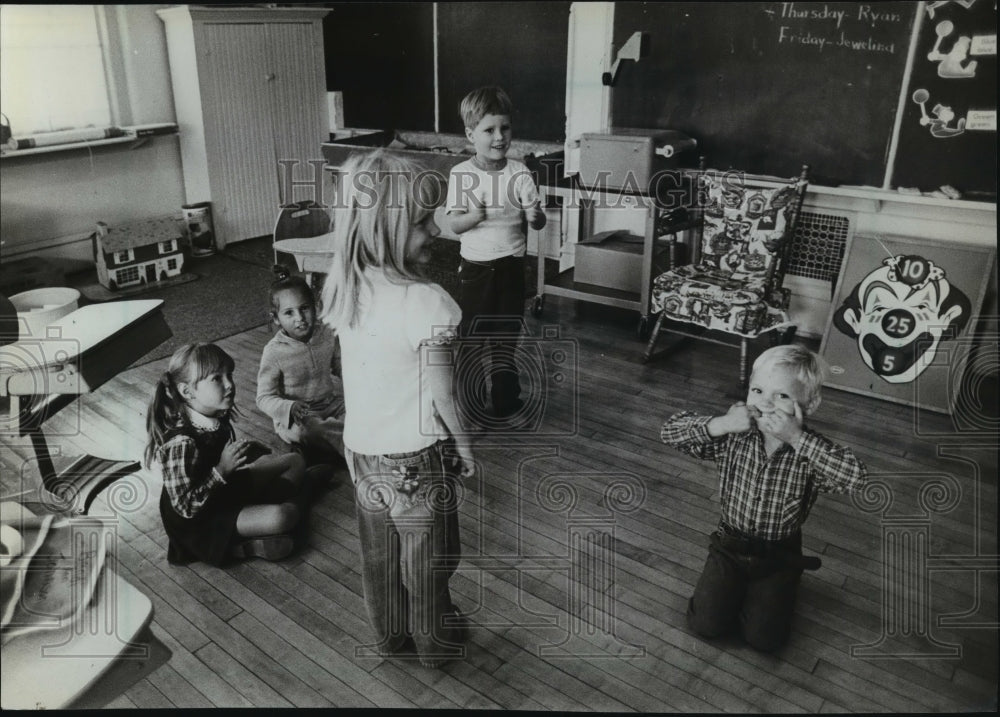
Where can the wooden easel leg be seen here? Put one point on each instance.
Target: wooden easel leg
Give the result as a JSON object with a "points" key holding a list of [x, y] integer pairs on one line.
{"points": [[648, 353], [743, 363]]}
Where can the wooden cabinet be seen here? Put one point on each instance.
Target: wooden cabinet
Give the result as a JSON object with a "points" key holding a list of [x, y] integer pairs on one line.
{"points": [[250, 96]]}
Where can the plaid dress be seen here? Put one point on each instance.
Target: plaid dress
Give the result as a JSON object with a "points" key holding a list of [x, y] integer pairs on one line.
{"points": [[198, 508]]}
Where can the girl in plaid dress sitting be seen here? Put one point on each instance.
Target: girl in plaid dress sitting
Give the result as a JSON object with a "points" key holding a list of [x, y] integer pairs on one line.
{"points": [[222, 497]]}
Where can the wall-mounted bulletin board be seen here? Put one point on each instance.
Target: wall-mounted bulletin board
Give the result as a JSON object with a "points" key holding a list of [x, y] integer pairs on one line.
{"points": [[903, 316], [948, 133], [767, 86]]}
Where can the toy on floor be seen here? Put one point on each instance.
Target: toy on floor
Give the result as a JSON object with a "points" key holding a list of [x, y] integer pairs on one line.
{"points": [[142, 252]]}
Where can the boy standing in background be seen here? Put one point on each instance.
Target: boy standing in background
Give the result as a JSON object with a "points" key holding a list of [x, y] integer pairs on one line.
{"points": [[490, 198]]}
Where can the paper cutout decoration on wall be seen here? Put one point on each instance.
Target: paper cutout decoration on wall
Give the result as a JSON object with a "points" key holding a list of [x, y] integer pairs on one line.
{"points": [[955, 63], [943, 114]]}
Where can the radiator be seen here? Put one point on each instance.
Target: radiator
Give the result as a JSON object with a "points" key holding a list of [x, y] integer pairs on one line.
{"points": [[818, 247]]}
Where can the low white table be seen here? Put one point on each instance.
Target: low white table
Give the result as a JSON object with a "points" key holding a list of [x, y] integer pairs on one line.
{"points": [[312, 254]]}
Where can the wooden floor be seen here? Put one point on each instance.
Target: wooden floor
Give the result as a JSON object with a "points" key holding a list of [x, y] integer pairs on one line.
{"points": [[582, 541]]}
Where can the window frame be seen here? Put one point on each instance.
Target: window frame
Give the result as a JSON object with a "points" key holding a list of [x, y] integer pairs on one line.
{"points": [[108, 27]]}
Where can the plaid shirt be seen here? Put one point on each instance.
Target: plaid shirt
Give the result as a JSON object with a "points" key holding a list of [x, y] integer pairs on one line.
{"points": [[188, 478], [767, 497]]}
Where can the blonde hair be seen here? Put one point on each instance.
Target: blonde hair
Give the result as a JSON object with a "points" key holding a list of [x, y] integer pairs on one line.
{"points": [[189, 364], [484, 101], [807, 367], [381, 197]]}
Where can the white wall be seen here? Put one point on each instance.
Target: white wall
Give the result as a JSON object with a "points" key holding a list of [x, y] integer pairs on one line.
{"points": [[49, 202]]}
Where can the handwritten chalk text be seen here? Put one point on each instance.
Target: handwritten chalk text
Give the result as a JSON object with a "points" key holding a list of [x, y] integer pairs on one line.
{"points": [[789, 10]]}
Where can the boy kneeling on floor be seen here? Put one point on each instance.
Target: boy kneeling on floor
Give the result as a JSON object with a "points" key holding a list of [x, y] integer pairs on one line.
{"points": [[771, 469]]}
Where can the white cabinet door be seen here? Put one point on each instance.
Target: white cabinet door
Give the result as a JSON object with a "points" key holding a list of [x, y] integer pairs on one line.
{"points": [[236, 99], [299, 113]]}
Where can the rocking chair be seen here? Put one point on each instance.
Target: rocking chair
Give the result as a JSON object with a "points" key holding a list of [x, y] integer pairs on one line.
{"points": [[734, 283]]}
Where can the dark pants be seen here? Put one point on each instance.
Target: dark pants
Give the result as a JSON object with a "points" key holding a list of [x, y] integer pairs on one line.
{"points": [[749, 585], [491, 296], [408, 528]]}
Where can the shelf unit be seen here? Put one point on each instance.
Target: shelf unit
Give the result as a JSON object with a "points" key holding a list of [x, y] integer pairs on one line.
{"points": [[583, 200]]}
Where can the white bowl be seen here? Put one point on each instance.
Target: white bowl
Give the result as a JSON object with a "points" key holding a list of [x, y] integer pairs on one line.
{"points": [[38, 308]]}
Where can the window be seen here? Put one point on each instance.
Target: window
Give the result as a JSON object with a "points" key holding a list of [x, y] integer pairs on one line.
{"points": [[167, 246], [52, 74], [171, 264], [127, 276], [124, 256]]}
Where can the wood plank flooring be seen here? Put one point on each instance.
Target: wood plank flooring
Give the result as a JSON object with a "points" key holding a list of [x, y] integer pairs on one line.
{"points": [[582, 541]]}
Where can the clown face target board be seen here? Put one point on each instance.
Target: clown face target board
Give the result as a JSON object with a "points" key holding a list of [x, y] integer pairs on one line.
{"points": [[903, 318]]}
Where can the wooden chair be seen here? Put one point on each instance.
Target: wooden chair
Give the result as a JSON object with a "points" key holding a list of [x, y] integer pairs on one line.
{"points": [[733, 284], [303, 230]]}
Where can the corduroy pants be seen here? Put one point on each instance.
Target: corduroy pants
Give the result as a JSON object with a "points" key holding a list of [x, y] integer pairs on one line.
{"points": [[407, 512]]}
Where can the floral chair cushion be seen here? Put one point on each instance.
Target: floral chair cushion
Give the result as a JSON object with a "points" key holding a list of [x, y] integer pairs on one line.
{"points": [[743, 226], [715, 301], [730, 288]]}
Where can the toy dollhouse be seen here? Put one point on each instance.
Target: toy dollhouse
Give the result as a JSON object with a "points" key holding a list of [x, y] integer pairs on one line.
{"points": [[137, 253]]}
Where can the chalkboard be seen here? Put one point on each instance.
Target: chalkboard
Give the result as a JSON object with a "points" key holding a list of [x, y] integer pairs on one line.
{"points": [[520, 46], [766, 87], [948, 133], [381, 56]]}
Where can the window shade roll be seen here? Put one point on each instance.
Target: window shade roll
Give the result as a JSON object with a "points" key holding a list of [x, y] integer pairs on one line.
{"points": [[64, 137]]}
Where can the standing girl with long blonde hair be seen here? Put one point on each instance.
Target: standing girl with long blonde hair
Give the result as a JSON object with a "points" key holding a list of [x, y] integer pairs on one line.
{"points": [[397, 334]]}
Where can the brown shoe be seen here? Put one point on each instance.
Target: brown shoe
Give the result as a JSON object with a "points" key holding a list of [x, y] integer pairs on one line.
{"points": [[270, 547]]}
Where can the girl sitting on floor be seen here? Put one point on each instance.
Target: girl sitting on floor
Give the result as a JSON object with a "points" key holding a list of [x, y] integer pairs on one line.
{"points": [[298, 384], [221, 497]]}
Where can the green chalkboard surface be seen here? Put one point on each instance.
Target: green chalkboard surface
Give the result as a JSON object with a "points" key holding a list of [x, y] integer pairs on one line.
{"points": [[766, 87]]}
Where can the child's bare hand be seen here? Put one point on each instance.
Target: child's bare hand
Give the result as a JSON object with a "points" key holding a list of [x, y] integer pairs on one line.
{"points": [[535, 216], [255, 451], [299, 412], [738, 419], [234, 457], [786, 427], [465, 459]]}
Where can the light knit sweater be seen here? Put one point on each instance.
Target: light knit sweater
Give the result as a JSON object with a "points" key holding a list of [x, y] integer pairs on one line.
{"points": [[293, 370]]}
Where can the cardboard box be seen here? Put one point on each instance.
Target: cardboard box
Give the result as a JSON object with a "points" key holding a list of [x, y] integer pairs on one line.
{"points": [[628, 159], [612, 260]]}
